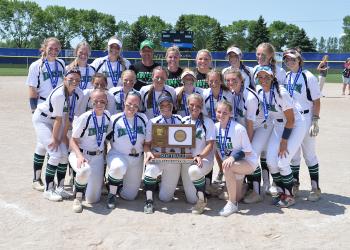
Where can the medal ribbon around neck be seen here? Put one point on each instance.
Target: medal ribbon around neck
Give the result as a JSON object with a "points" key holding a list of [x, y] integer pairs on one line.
{"points": [[290, 85], [237, 100], [212, 108], [172, 120], [131, 133], [184, 101], [265, 104], [53, 79], [83, 83], [99, 130], [114, 78], [222, 141], [154, 105], [71, 106], [122, 98]]}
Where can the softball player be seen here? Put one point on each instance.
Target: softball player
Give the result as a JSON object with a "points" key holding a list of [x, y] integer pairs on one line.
{"points": [[170, 171], [99, 81], [248, 113], [172, 57], [265, 56], [87, 156], [151, 93], [51, 125], [203, 62], [188, 79], [113, 64], [217, 91], [193, 175], [126, 162], [303, 87], [288, 132], [119, 92], [234, 56], [144, 68], [236, 153], [82, 53], [44, 75]]}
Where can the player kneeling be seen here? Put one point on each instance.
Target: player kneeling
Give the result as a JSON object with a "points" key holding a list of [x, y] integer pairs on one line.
{"points": [[236, 152], [87, 144], [125, 159]]}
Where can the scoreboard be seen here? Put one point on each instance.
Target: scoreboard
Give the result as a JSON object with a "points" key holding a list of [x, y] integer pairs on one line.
{"points": [[182, 39]]}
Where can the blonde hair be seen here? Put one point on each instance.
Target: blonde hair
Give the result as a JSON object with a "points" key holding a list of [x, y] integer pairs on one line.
{"points": [[204, 51], [151, 89], [128, 71], [225, 103], [270, 49], [173, 49], [44, 44], [120, 59], [218, 73], [74, 64]]}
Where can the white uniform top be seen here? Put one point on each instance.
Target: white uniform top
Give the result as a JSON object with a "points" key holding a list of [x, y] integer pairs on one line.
{"points": [[280, 74], [87, 103], [300, 92], [181, 109], [38, 77], [246, 77], [279, 104], [116, 93], [205, 132], [144, 96], [226, 95], [101, 66], [160, 120], [85, 80], [84, 130], [248, 106], [120, 141], [237, 140], [56, 104]]}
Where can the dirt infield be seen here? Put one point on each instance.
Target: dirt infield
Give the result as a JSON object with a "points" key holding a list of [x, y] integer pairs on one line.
{"points": [[30, 222]]}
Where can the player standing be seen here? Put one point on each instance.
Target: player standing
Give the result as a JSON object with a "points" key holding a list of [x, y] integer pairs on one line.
{"points": [[44, 75], [172, 57], [203, 66]]}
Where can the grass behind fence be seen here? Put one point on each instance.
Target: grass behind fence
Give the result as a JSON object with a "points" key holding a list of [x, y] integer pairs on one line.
{"points": [[334, 75]]}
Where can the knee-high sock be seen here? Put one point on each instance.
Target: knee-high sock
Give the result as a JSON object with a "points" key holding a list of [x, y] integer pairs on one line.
{"points": [[314, 176], [295, 171], [50, 175], [38, 162], [61, 173]]}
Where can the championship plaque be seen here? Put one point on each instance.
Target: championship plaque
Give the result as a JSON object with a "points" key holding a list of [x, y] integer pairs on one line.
{"points": [[170, 137]]}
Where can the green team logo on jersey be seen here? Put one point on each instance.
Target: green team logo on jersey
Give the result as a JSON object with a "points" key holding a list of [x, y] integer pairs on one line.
{"points": [[92, 131], [297, 87], [122, 131], [54, 74], [176, 82], [199, 134], [228, 143], [144, 76], [107, 74], [240, 112], [118, 106], [202, 84], [271, 108]]}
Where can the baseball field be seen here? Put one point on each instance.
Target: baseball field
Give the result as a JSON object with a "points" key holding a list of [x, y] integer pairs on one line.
{"points": [[28, 221]]}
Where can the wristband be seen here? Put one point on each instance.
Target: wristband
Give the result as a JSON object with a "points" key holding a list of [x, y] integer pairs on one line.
{"points": [[239, 155], [33, 103], [286, 133]]}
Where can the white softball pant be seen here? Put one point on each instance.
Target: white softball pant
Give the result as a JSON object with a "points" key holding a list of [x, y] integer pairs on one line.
{"points": [[260, 139], [308, 146], [127, 168], [275, 163], [90, 173], [170, 177], [43, 128], [190, 173]]}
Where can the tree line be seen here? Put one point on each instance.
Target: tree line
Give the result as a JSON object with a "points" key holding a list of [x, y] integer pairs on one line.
{"points": [[24, 24]]}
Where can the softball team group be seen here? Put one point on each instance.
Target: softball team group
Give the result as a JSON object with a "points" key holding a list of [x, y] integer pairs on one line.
{"points": [[95, 121]]}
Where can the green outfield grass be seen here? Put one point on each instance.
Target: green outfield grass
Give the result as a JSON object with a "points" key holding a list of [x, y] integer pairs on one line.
{"points": [[334, 76]]}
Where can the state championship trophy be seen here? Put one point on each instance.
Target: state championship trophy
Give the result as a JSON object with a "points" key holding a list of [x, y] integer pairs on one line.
{"points": [[171, 136]]}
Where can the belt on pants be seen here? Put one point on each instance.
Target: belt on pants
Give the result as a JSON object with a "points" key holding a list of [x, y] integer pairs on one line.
{"points": [[306, 111], [136, 155], [42, 98], [45, 115], [98, 152], [279, 120]]}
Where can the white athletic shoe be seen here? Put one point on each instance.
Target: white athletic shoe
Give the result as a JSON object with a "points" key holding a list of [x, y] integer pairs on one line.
{"points": [[229, 209], [77, 205], [199, 207], [38, 185], [315, 195], [51, 195], [63, 193]]}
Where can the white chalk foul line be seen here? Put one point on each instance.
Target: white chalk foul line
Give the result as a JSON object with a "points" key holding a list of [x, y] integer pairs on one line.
{"points": [[20, 211]]}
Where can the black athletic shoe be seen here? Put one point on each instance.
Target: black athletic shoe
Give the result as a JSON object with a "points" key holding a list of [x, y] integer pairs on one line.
{"points": [[111, 201], [148, 208]]}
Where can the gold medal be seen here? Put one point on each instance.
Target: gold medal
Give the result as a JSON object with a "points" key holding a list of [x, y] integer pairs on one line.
{"points": [[133, 151]]}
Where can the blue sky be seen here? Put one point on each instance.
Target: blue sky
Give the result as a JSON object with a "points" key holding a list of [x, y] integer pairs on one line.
{"points": [[318, 18]]}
